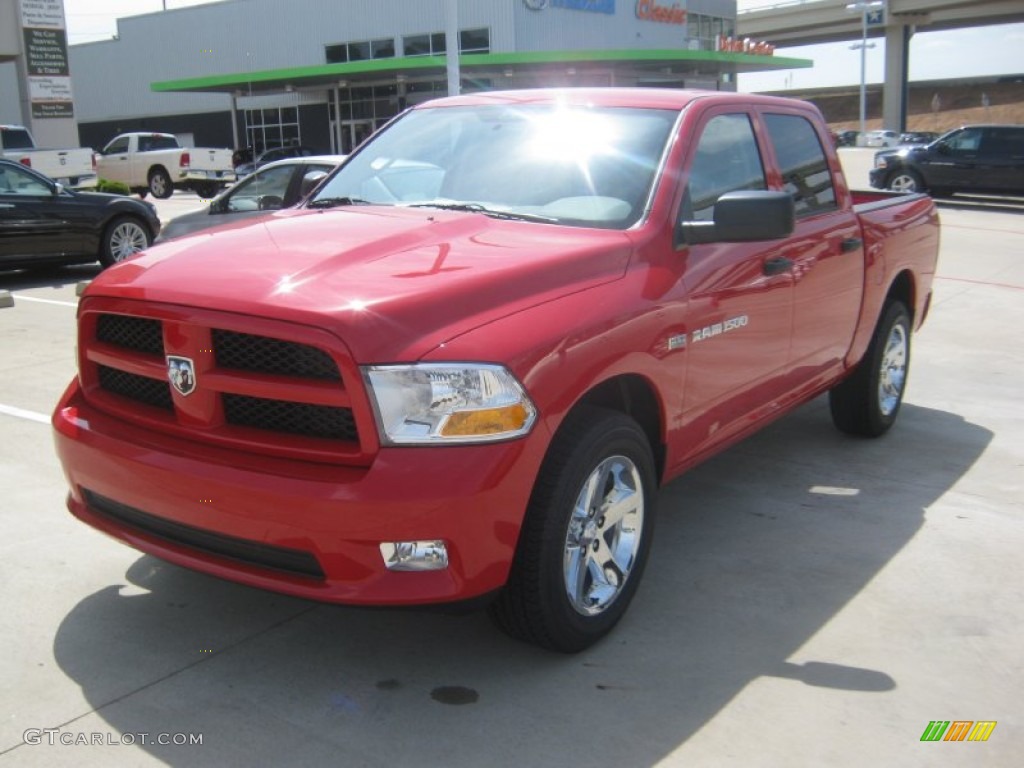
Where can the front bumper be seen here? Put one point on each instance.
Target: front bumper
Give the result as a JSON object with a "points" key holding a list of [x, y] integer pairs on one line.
{"points": [[876, 177], [210, 508]]}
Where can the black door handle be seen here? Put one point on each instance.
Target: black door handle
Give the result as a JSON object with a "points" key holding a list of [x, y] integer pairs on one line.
{"points": [[777, 265], [851, 244]]}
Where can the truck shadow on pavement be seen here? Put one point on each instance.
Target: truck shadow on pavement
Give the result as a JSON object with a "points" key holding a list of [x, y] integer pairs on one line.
{"points": [[755, 552]]}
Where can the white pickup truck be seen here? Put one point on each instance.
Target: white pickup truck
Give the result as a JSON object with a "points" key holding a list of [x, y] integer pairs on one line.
{"points": [[157, 163], [71, 167]]}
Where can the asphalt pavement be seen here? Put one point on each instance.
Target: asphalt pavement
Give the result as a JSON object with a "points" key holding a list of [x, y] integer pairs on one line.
{"points": [[811, 599]]}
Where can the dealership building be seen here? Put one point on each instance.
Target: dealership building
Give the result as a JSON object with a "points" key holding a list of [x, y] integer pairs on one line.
{"points": [[327, 73]]}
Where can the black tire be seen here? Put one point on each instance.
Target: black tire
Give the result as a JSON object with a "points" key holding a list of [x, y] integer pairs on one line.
{"points": [[868, 402], [596, 452], [141, 192], [160, 185], [124, 236], [207, 191], [905, 180]]}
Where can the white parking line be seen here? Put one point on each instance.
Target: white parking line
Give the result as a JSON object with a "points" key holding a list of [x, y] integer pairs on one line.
{"points": [[21, 413], [23, 297]]}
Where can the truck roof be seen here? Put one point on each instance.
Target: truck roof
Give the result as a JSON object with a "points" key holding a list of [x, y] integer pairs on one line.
{"points": [[651, 98]]}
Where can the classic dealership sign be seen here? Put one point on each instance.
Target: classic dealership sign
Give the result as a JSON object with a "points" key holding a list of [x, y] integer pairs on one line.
{"points": [[650, 10]]}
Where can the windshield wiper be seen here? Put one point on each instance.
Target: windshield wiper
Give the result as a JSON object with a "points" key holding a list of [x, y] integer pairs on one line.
{"points": [[494, 214], [333, 202]]}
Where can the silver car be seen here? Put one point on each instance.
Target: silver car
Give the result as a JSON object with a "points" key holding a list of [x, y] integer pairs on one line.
{"points": [[280, 184]]}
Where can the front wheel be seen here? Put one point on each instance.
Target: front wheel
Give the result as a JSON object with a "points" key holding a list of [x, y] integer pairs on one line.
{"points": [[586, 534], [868, 402], [905, 180], [207, 191], [123, 237]]}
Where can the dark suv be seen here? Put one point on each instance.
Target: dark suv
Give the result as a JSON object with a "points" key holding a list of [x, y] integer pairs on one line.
{"points": [[975, 158]]}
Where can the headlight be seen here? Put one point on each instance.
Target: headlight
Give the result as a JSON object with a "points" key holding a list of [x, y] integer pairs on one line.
{"points": [[448, 403], [881, 162]]}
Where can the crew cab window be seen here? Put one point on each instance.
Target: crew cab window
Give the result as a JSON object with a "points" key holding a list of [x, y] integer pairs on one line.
{"points": [[802, 162], [116, 146], [967, 141], [726, 160], [1005, 142]]}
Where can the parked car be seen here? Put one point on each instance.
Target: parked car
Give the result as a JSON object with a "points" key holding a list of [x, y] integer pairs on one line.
{"points": [[41, 222], [974, 158], [156, 163], [847, 138], [460, 369], [881, 139], [918, 137], [279, 153], [277, 185]]}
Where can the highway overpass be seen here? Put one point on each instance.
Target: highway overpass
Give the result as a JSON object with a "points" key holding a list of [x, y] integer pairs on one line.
{"points": [[809, 22]]}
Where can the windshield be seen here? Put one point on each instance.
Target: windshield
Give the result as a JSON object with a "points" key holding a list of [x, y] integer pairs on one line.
{"points": [[581, 166]]}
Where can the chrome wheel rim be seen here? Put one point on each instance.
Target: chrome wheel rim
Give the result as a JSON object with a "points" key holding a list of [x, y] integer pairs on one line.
{"points": [[894, 370], [903, 183], [603, 538], [126, 239]]}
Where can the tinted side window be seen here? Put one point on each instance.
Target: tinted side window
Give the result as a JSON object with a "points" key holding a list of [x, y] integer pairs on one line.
{"points": [[805, 172], [968, 140], [1005, 142], [726, 160], [116, 147]]}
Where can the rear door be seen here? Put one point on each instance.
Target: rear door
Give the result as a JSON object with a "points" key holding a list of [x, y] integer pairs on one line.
{"points": [[740, 294], [826, 249], [1002, 157]]}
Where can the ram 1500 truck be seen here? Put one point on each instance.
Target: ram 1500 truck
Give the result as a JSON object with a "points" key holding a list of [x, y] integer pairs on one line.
{"points": [[71, 167], [155, 163], [462, 368]]}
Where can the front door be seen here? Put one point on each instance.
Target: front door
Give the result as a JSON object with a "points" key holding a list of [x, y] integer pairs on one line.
{"points": [[740, 294]]}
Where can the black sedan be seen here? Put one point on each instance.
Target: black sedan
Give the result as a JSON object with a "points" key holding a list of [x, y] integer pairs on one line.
{"points": [[278, 185], [41, 223]]}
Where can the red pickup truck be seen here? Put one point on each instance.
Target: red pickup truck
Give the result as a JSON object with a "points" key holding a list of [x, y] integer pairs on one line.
{"points": [[461, 370]]}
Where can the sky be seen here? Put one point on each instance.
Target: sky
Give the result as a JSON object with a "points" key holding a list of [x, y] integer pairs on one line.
{"points": [[936, 55]]}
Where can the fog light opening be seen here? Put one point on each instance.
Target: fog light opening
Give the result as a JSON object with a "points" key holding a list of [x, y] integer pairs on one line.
{"points": [[414, 555]]}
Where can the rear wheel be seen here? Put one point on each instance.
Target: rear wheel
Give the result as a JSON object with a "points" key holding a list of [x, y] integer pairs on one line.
{"points": [[905, 180], [160, 184], [868, 402], [207, 191], [123, 237], [586, 534]]}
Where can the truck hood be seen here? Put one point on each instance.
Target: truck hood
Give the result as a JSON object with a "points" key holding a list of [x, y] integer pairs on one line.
{"points": [[391, 282]]}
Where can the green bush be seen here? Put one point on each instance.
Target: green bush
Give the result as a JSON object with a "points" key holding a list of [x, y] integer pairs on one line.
{"points": [[113, 187]]}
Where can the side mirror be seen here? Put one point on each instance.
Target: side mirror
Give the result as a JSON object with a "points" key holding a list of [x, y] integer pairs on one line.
{"points": [[58, 188], [310, 181], [743, 217], [942, 148]]}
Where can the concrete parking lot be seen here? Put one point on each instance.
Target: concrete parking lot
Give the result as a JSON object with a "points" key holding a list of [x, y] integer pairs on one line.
{"points": [[811, 599]]}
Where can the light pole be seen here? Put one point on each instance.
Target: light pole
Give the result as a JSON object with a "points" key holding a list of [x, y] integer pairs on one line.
{"points": [[863, 7]]}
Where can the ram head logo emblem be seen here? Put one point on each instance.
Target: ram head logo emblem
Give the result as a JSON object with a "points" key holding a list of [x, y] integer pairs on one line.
{"points": [[182, 373]]}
